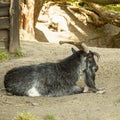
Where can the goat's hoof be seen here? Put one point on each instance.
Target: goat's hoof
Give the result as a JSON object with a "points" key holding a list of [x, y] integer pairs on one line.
{"points": [[86, 89], [101, 91]]}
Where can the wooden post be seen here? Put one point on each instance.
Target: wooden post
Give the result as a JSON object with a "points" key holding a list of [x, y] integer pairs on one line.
{"points": [[14, 42]]}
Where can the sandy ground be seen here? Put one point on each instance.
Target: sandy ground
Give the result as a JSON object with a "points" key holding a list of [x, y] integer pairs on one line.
{"points": [[86, 106]]}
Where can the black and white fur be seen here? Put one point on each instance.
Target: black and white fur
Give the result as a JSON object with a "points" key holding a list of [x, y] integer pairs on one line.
{"points": [[53, 79]]}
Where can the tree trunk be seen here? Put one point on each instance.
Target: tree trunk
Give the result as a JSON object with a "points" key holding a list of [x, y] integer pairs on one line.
{"points": [[27, 16], [30, 10], [111, 17], [38, 6], [95, 18], [104, 2]]}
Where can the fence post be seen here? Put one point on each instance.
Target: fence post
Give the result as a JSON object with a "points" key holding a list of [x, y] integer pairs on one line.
{"points": [[14, 42]]}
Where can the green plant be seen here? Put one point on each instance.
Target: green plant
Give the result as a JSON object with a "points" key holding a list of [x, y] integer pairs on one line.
{"points": [[18, 53], [3, 56], [49, 117], [25, 116]]}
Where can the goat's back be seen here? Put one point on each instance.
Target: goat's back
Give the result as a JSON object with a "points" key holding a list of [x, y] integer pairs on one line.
{"points": [[19, 80]]}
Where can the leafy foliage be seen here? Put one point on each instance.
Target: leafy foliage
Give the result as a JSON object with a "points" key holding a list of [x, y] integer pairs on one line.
{"points": [[112, 7]]}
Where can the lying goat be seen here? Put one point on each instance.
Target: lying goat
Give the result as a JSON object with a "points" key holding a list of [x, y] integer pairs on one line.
{"points": [[54, 79]]}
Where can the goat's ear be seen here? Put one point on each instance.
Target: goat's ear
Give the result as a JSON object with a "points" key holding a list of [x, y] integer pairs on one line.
{"points": [[73, 50]]}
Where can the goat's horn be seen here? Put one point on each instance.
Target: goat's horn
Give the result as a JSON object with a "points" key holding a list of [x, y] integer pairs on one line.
{"points": [[97, 55], [79, 45], [85, 47]]}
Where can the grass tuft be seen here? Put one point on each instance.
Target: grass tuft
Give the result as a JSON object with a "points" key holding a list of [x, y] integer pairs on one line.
{"points": [[3, 55], [18, 53], [25, 116], [49, 117]]}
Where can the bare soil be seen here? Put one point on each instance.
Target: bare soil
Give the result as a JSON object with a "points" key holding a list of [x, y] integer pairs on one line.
{"points": [[85, 106]]}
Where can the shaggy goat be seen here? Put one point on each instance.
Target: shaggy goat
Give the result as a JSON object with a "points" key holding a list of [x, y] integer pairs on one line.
{"points": [[54, 79]]}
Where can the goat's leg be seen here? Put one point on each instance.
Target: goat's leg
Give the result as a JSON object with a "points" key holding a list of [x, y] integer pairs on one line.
{"points": [[76, 90], [68, 91]]}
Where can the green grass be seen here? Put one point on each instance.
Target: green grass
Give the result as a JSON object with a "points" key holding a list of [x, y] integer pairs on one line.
{"points": [[18, 53], [49, 117], [3, 55], [30, 116], [25, 116]]}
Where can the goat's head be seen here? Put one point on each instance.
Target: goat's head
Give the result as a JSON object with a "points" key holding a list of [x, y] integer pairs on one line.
{"points": [[90, 61], [89, 55]]}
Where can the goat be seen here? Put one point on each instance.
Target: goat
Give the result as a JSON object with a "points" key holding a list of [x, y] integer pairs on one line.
{"points": [[54, 79]]}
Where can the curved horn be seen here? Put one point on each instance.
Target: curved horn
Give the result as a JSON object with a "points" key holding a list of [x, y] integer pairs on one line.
{"points": [[79, 45], [85, 47], [97, 55]]}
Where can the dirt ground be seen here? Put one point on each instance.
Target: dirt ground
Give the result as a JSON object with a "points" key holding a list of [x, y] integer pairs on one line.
{"points": [[86, 106]]}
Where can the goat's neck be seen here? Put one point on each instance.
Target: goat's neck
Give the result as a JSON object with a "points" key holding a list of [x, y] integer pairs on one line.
{"points": [[71, 63]]}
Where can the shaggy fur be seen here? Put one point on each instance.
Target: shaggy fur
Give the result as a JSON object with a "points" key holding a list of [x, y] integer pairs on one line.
{"points": [[52, 79]]}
